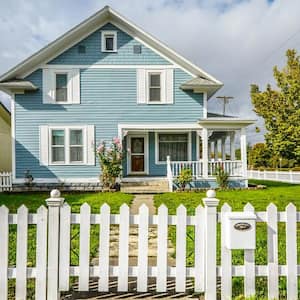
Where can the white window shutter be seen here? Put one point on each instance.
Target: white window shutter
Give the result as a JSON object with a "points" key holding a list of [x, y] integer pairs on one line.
{"points": [[91, 145], [169, 86], [75, 86], [141, 86], [48, 86], [44, 145]]}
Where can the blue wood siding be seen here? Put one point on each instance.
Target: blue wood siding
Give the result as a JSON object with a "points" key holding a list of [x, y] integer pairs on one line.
{"points": [[108, 97], [124, 55]]}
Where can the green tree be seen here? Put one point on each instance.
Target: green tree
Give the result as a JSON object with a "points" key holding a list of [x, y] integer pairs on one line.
{"points": [[280, 109], [259, 155]]}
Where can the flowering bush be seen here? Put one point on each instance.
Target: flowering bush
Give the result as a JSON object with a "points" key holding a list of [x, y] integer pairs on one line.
{"points": [[110, 159]]}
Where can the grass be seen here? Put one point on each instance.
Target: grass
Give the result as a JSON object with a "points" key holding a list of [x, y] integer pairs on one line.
{"points": [[281, 194], [33, 201]]}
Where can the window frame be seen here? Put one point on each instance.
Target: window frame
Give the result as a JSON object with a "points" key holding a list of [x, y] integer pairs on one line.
{"points": [[67, 146], [162, 86], [67, 73], [105, 33], [189, 145], [154, 87]]}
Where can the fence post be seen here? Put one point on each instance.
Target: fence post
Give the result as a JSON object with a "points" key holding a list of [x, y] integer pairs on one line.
{"points": [[54, 203], [291, 176], [211, 204]]}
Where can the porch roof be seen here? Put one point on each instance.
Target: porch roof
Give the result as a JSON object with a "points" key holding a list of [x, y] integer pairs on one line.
{"points": [[225, 122]]}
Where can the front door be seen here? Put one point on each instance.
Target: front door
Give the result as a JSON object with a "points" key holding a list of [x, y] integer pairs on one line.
{"points": [[137, 155]]}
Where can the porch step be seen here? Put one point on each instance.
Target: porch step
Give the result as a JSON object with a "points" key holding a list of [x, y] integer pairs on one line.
{"points": [[155, 186]]}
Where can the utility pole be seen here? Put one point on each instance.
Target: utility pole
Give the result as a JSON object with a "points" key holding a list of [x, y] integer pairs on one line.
{"points": [[226, 101]]}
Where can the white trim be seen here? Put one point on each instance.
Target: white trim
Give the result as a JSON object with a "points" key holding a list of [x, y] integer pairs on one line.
{"points": [[104, 33], [205, 105], [189, 133], [67, 129], [96, 66], [13, 136], [146, 154], [158, 126]]}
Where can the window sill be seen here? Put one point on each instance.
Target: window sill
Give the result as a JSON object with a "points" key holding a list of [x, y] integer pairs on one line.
{"points": [[157, 103], [109, 51], [68, 164]]}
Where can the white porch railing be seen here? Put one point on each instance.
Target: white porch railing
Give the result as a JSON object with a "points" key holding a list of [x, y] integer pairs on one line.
{"points": [[232, 167], [5, 182]]}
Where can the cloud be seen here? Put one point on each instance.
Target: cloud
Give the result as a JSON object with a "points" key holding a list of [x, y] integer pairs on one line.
{"points": [[237, 41]]}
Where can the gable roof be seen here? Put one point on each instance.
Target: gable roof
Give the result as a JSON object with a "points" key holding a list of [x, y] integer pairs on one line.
{"points": [[85, 28]]}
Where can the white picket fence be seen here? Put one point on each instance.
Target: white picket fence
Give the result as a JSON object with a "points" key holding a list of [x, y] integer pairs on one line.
{"points": [[53, 270], [283, 176], [5, 181]]}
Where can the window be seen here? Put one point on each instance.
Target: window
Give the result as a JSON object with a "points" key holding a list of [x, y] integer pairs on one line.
{"points": [[61, 85], [58, 146], [67, 145], [154, 87], [76, 145], [109, 41], [174, 145]]}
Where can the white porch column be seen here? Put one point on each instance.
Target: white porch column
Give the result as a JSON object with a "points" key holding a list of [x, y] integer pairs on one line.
{"points": [[205, 152], [244, 152], [216, 152], [232, 146], [223, 149]]}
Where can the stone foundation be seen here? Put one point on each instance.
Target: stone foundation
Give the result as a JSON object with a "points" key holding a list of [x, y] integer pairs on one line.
{"points": [[63, 187]]}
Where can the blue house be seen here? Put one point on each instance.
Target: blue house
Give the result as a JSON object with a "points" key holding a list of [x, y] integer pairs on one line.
{"points": [[107, 77]]}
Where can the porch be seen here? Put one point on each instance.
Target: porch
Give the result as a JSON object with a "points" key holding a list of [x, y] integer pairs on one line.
{"points": [[163, 150]]}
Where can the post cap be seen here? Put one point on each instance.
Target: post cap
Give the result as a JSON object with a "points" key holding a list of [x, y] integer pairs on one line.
{"points": [[55, 193], [211, 194], [211, 200], [55, 199]]}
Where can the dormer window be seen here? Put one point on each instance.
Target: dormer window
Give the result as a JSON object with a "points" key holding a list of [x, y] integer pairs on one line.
{"points": [[109, 41]]}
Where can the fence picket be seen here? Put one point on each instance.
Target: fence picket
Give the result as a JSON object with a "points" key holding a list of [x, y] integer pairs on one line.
{"points": [[180, 249], [249, 257], [4, 234], [272, 251], [84, 250], [103, 284], [41, 253], [21, 259], [64, 247], [199, 249], [142, 278], [123, 249], [291, 252], [226, 259], [162, 249]]}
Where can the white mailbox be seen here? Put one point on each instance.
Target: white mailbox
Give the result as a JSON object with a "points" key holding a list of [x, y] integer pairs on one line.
{"points": [[240, 230]]}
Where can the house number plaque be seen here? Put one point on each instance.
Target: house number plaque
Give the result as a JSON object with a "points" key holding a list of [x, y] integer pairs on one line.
{"points": [[242, 226]]}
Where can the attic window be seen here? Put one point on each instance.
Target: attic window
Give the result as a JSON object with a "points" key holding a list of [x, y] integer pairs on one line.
{"points": [[109, 41]]}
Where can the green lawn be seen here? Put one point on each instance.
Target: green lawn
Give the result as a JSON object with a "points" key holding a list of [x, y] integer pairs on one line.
{"points": [[279, 193], [34, 200]]}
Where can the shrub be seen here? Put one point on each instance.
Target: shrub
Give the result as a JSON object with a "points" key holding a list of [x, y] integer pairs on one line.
{"points": [[222, 178], [185, 177], [110, 159]]}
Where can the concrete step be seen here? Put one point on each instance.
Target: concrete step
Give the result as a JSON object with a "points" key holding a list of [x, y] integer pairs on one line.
{"points": [[145, 186]]}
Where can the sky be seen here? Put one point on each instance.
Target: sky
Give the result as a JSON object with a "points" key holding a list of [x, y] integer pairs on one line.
{"points": [[237, 41]]}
